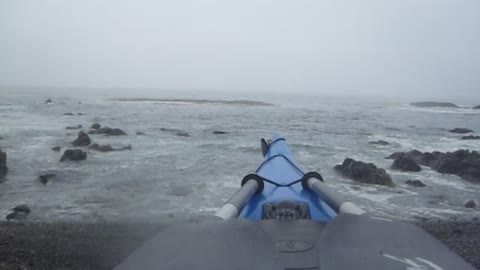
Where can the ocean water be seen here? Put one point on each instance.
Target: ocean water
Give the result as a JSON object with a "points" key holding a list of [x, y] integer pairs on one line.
{"points": [[168, 177]]}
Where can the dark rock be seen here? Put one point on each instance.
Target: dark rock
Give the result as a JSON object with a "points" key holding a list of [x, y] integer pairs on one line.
{"points": [[56, 148], [406, 164], [364, 172], [471, 204], [463, 163], [73, 154], [96, 126], [92, 132], [77, 127], [109, 131], [48, 101], [23, 208], [68, 114], [415, 183], [139, 133], [109, 148], [471, 137], [461, 130], [1, 138], [379, 142], [45, 178], [82, 140], [434, 104], [102, 148], [79, 113], [219, 132], [477, 107], [182, 134], [3, 163], [116, 132]]}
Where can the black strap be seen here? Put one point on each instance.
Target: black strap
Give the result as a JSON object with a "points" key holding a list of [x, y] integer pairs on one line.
{"points": [[260, 180]]}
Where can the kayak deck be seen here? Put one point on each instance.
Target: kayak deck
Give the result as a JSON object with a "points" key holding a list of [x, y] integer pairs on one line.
{"points": [[280, 167]]}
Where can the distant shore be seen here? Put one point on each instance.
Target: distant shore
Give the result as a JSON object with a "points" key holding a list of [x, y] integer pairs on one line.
{"points": [[195, 101], [102, 246]]}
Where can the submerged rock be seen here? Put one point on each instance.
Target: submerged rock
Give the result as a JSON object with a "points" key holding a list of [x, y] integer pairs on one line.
{"points": [[477, 107], [45, 178], [434, 104], [108, 131], [3, 163], [20, 212], [364, 172], [415, 183], [68, 114], [21, 208], [74, 155], [77, 127], [139, 133], [48, 101], [470, 204], [219, 132], [463, 163], [461, 130], [182, 134], [471, 137], [406, 164], [82, 140], [379, 142], [56, 148], [96, 126], [109, 148]]}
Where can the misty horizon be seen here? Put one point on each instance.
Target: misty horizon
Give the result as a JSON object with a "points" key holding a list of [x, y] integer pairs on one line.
{"points": [[427, 50]]}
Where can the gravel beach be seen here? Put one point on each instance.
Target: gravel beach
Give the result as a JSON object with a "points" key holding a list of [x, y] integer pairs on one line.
{"points": [[102, 246]]}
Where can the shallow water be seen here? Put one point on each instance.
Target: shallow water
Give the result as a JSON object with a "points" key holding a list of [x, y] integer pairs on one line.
{"points": [[166, 176]]}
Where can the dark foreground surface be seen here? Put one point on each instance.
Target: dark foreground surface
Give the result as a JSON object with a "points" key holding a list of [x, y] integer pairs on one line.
{"points": [[102, 246]]}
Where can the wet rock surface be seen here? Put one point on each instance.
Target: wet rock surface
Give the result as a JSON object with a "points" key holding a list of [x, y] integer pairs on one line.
{"points": [[219, 132], [463, 163], [108, 131], [82, 140], [406, 164], [461, 130], [3, 164], [73, 155], [45, 178], [364, 172], [56, 148], [415, 183], [108, 148], [74, 127], [471, 137], [470, 204]]}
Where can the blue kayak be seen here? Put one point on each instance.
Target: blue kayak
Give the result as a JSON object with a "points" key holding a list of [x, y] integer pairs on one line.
{"points": [[280, 167]]}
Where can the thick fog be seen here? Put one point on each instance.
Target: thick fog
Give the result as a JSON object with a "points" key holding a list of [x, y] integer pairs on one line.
{"points": [[429, 48]]}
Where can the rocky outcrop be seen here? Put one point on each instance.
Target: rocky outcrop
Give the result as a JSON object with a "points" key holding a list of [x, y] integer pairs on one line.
{"points": [[477, 107], [82, 140], [379, 142], [3, 163], [364, 172], [463, 163], [434, 104], [76, 127], [74, 155], [461, 130], [108, 131], [177, 132], [471, 137], [56, 148], [219, 132], [48, 101], [20, 212], [139, 133], [406, 164], [470, 204], [96, 126], [415, 183], [68, 114]]}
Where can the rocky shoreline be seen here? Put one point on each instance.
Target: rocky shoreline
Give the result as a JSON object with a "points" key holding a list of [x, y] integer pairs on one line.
{"points": [[101, 246]]}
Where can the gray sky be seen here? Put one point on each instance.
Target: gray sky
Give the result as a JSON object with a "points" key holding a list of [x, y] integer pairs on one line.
{"points": [[374, 47]]}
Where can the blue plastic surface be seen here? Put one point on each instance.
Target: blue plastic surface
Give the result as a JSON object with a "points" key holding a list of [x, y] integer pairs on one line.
{"points": [[281, 167]]}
